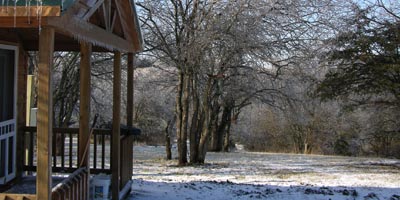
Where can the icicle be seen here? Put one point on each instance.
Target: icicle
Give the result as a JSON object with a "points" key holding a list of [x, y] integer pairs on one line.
{"points": [[2, 5], [29, 11], [94, 43], [39, 6], [15, 13], [7, 3], [62, 5], [40, 16], [37, 9]]}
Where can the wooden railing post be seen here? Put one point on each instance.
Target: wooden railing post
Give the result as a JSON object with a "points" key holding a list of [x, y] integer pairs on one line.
{"points": [[44, 115], [115, 143]]}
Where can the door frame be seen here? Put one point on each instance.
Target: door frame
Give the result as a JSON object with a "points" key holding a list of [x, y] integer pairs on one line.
{"points": [[9, 177]]}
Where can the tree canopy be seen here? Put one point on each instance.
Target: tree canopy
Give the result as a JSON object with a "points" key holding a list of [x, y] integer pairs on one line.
{"points": [[366, 63]]}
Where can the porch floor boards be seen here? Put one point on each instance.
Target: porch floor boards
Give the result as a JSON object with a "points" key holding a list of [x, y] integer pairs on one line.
{"points": [[27, 184]]}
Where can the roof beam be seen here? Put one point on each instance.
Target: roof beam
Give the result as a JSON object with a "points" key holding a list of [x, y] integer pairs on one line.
{"points": [[21, 22], [113, 21], [86, 31], [32, 11], [93, 9], [107, 14]]}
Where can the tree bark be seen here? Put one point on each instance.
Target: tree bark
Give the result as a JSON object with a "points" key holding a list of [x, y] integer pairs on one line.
{"points": [[204, 137], [227, 137], [185, 115], [168, 140], [195, 125], [214, 129], [181, 139], [207, 128], [222, 128]]}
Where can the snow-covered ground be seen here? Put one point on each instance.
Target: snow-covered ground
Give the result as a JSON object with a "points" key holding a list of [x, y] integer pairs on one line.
{"points": [[245, 175]]}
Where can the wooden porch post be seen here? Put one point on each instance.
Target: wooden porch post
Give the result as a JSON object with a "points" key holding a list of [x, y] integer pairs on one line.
{"points": [[84, 109], [115, 146], [129, 107], [127, 153], [44, 115]]}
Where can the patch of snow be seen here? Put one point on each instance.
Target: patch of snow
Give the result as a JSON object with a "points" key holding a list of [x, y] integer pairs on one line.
{"points": [[239, 147], [246, 175]]}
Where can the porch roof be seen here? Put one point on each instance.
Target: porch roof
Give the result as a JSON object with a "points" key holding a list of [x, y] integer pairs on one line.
{"points": [[107, 24]]}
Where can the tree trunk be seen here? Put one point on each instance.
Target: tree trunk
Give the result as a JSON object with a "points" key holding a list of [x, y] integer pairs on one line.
{"points": [[185, 115], [219, 130], [222, 128], [227, 137], [203, 144], [205, 126], [182, 149], [196, 122], [168, 144], [168, 139], [214, 131], [225, 127]]}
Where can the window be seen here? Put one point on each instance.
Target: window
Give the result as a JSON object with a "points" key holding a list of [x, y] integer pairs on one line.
{"points": [[7, 61]]}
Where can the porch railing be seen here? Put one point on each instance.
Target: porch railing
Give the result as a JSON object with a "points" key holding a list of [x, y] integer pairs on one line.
{"points": [[74, 187], [66, 160]]}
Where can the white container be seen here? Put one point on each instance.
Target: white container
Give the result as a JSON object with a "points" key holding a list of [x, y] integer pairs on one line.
{"points": [[101, 187]]}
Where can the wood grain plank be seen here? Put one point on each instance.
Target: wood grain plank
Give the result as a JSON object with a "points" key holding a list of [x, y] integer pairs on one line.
{"points": [[84, 110], [44, 115], [33, 11], [22, 22], [129, 107], [115, 147]]}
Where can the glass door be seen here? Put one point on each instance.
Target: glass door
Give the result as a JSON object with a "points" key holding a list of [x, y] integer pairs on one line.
{"points": [[8, 61]]}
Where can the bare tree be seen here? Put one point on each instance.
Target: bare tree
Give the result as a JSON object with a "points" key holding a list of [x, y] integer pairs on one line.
{"points": [[225, 55]]}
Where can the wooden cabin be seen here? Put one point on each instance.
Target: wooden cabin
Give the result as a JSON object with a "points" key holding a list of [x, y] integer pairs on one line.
{"points": [[46, 26]]}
